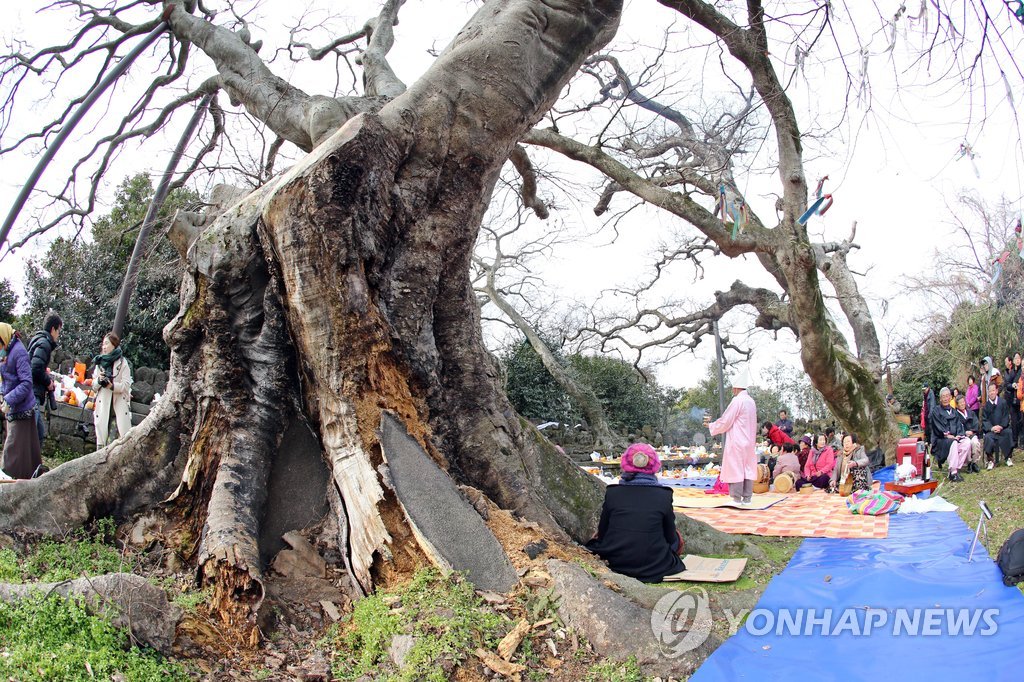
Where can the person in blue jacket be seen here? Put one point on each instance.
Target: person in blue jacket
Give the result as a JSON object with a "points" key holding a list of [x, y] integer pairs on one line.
{"points": [[21, 449]]}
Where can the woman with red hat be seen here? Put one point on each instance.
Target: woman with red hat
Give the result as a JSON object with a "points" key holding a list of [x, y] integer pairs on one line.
{"points": [[637, 533]]}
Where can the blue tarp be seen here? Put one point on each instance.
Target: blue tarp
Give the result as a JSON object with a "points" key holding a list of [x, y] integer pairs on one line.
{"points": [[885, 474], [695, 482], [922, 569]]}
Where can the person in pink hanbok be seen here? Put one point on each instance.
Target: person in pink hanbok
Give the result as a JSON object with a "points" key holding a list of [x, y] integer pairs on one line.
{"points": [[739, 424]]}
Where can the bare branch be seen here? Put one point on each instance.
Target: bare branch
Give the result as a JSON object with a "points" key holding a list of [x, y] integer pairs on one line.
{"points": [[378, 77], [521, 160], [754, 238]]}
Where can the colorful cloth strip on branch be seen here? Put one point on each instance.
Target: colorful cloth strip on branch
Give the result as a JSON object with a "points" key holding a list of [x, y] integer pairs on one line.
{"points": [[821, 204], [735, 210]]}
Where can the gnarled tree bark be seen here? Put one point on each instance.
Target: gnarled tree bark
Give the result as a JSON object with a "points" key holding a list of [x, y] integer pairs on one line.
{"points": [[341, 290]]}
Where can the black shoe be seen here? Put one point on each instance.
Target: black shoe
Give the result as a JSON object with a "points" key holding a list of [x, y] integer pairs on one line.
{"points": [[975, 469]]}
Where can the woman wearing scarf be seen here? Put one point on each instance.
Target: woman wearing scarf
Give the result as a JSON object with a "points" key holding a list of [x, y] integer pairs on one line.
{"points": [[112, 379], [637, 534], [853, 462], [21, 449], [819, 467]]}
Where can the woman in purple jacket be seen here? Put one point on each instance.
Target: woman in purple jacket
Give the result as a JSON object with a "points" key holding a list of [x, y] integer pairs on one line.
{"points": [[21, 449]]}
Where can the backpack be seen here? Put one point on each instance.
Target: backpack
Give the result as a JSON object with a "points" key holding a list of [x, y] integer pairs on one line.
{"points": [[1011, 558]]}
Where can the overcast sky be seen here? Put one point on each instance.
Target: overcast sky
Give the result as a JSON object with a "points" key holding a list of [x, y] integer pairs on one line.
{"points": [[892, 161]]}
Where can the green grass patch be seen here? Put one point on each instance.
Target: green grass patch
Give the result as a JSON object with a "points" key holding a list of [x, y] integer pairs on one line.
{"points": [[1002, 489], [51, 638], [190, 600], [444, 616], [59, 455], [613, 671], [77, 555]]}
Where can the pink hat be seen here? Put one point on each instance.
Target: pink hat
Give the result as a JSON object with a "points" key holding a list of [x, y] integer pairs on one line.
{"points": [[640, 458]]}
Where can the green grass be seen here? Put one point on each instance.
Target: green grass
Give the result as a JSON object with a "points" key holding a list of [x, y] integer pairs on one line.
{"points": [[1002, 489], [56, 560], [446, 619], [59, 455], [612, 671], [50, 638]]}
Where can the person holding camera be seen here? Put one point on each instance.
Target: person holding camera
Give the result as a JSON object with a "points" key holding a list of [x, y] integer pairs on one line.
{"points": [[112, 380], [21, 448], [40, 348]]}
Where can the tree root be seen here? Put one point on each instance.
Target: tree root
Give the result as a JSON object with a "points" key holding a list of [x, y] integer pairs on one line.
{"points": [[128, 600], [619, 628]]}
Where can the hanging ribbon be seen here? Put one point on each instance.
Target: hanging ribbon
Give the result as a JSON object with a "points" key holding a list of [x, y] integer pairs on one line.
{"points": [[1019, 11], [966, 150], [821, 204]]}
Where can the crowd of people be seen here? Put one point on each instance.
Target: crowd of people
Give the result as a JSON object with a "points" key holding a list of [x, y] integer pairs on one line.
{"points": [[28, 388], [822, 460], [637, 534], [980, 427]]}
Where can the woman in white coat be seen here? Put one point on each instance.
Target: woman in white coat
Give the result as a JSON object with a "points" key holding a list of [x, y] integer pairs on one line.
{"points": [[112, 379]]}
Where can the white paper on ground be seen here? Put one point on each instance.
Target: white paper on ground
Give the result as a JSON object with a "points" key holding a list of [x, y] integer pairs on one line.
{"points": [[913, 505]]}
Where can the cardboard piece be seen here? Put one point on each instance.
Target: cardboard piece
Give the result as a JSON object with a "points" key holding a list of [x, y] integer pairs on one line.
{"points": [[702, 569]]}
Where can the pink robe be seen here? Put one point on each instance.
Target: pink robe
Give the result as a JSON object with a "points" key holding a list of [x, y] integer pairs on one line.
{"points": [[739, 424]]}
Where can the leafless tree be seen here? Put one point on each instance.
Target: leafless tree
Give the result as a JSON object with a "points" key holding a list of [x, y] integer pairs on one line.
{"points": [[337, 293], [686, 164], [980, 244], [504, 277]]}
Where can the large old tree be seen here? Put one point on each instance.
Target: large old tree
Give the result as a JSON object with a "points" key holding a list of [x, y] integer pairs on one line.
{"points": [[337, 294]]}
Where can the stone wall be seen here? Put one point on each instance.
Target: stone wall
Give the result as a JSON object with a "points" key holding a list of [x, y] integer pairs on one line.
{"points": [[64, 424], [64, 432]]}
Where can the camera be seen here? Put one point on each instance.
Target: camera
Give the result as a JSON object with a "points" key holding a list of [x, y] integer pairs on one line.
{"points": [[105, 382]]}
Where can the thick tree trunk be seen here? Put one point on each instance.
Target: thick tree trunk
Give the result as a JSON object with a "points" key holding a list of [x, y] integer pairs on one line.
{"points": [[850, 389], [341, 289], [340, 292]]}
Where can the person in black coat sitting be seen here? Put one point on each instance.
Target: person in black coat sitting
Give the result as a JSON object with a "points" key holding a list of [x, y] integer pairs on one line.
{"points": [[995, 420], [637, 534]]}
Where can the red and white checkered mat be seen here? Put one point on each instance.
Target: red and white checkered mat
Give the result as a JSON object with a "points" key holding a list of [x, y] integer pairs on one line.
{"points": [[814, 515]]}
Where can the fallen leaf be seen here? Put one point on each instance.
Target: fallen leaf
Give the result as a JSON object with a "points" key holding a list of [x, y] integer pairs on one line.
{"points": [[541, 623], [331, 610]]}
